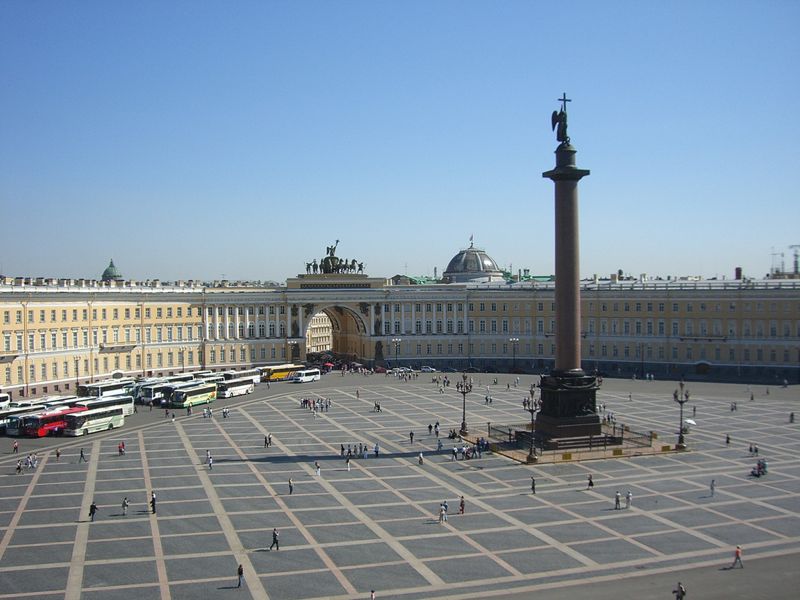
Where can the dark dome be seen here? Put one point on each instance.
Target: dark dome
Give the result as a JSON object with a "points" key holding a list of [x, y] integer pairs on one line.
{"points": [[470, 265], [111, 273]]}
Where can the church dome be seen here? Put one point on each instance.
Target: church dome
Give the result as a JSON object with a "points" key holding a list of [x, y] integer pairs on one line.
{"points": [[472, 264], [111, 273]]}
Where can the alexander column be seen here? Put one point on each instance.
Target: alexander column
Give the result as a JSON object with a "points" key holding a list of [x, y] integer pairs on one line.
{"points": [[568, 394]]}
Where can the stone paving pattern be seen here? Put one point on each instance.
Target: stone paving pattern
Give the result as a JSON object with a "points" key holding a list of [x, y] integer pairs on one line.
{"points": [[375, 527]]}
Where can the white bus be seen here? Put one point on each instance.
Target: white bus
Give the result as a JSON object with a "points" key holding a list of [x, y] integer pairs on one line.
{"points": [[212, 378], [160, 393], [180, 377], [123, 402], [306, 375], [97, 419], [235, 387], [205, 393], [5, 400], [201, 374], [105, 388], [253, 374]]}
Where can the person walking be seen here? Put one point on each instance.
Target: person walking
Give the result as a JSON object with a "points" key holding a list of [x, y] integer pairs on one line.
{"points": [[153, 501], [210, 463], [737, 558], [240, 574], [441, 514], [275, 539], [19, 466], [461, 506], [269, 440], [291, 486], [15, 447], [444, 505], [628, 499], [421, 459], [712, 486], [58, 454], [617, 498], [318, 468], [410, 437], [265, 442], [347, 462], [590, 483], [680, 592], [125, 505], [92, 511], [82, 457], [533, 485], [430, 429]]}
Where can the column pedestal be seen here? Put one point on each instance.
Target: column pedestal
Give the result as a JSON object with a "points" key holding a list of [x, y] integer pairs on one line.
{"points": [[568, 405]]}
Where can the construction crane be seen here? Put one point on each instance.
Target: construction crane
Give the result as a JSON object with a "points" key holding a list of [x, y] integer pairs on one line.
{"points": [[796, 248]]}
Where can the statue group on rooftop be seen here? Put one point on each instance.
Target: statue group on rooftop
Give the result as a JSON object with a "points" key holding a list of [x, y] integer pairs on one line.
{"points": [[333, 264]]}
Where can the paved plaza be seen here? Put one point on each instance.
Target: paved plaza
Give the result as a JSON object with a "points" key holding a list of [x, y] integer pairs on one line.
{"points": [[376, 527]]}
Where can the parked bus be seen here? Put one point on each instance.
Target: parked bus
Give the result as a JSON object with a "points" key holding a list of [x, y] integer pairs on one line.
{"points": [[5, 400], [159, 393], [56, 401], [212, 378], [105, 388], [205, 393], [49, 422], [253, 374], [235, 387], [306, 375], [180, 377], [98, 419], [136, 388], [11, 412], [279, 372], [201, 374], [124, 402]]}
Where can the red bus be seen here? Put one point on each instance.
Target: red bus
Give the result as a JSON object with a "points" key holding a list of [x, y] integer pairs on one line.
{"points": [[48, 422]]}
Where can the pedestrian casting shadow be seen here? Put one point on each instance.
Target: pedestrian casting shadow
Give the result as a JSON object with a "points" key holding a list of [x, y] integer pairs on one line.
{"points": [[228, 587]]}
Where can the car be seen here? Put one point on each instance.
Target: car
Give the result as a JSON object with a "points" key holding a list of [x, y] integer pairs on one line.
{"points": [[449, 370], [427, 369], [472, 370]]}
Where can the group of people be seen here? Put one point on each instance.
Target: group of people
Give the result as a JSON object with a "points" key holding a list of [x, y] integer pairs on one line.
{"points": [[362, 450], [316, 404], [31, 462]]}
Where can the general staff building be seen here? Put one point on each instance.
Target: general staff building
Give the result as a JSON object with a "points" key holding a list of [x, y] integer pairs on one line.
{"points": [[57, 333]]}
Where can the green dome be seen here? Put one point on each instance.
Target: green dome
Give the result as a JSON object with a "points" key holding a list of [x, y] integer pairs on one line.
{"points": [[111, 273]]}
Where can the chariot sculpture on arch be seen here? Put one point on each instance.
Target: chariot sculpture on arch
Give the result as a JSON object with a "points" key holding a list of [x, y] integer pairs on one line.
{"points": [[330, 263]]}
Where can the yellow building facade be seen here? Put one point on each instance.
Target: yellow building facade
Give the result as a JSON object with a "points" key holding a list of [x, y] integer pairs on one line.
{"points": [[58, 333]]}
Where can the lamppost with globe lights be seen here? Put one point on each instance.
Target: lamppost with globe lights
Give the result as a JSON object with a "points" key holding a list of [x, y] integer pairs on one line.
{"points": [[292, 345], [396, 342], [532, 408], [514, 341], [681, 399], [464, 387]]}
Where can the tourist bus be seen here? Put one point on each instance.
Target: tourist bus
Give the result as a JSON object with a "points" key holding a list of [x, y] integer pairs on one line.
{"points": [[5, 400], [49, 422], [11, 412], [202, 374], [136, 389], [105, 388], [56, 401], [179, 377], [235, 387], [124, 402], [253, 374], [279, 372], [205, 393], [306, 375], [97, 419], [211, 378], [159, 393]]}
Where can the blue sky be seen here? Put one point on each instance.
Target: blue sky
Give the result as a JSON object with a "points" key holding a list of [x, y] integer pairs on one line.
{"points": [[196, 139]]}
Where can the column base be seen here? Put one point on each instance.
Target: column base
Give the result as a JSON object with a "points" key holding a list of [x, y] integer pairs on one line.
{"points": [[568, 405]]}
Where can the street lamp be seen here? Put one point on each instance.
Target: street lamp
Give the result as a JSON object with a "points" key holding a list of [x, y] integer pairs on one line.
{"points": [[396, 342], [532, 409], [183, 359], [514, 341], [292, 346], [77, 373], [464, 387], [681, 400]]}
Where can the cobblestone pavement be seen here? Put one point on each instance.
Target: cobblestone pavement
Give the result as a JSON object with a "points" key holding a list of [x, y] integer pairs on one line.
{"points": [[375, 526]]}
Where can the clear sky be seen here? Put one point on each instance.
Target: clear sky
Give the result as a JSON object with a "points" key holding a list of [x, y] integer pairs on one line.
{"points": [[196, 139]]}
